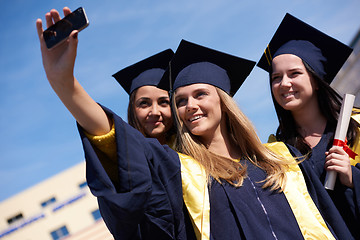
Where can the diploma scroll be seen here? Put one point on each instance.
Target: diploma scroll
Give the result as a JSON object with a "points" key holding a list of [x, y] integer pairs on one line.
{"points": [[340, 134]]}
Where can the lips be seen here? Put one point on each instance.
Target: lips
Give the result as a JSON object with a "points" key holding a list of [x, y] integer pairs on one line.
{"points": [[289, 94], [154, 122], [194, 118]]}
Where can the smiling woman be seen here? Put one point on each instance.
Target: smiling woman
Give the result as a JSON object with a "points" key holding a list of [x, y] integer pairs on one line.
{"points": [[293, 86], [195, 104], [149, 106], [152, 109], [302, 62]]}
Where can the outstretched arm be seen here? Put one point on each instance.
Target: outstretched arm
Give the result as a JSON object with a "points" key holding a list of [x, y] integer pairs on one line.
{"points": [[59, 67]]}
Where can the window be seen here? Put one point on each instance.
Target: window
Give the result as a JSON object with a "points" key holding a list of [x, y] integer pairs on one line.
{"points": [[15, 218], [59, 233], [96, 215], [48, 202], [83, 184]]}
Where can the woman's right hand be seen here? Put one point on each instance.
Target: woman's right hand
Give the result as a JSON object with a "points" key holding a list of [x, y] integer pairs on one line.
{"points": [[58, 62], [59, 67]]}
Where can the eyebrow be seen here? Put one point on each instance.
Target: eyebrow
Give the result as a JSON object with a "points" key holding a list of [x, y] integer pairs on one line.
{"points": [[163, 98], [142, 98], [179, 96], [296, 69], [199, 89], [290, 70], [147, 98], [202, 89]]}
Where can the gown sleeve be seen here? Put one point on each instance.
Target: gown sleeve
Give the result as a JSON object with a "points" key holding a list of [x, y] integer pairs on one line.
{"points": [[147, 191], [105, 148]]}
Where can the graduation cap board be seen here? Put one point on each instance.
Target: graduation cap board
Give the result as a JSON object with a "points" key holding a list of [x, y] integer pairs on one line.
{"points": [[146, 72], [193, 63], [324, 54]]}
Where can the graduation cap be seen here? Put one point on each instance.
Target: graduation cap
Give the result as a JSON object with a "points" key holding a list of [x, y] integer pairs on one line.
{"points": [[324, 54], [147, 72], [193, 63]]}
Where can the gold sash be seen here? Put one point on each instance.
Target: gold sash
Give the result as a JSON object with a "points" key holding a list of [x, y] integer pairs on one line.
{"points": [[309, 219]]}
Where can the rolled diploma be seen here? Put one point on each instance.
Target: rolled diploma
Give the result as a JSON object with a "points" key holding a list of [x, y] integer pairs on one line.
{"points": [[340, 133]]}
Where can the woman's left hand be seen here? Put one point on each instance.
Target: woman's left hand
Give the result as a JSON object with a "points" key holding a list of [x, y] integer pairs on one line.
{"points": [[338, 160]]}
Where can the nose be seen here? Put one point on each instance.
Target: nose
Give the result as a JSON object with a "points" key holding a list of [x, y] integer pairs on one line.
{"points": [[191, 105], [285, 81], [155, 110]]}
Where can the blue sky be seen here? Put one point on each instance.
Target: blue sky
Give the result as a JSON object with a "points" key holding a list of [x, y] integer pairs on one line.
{"points": [[40, 137]]}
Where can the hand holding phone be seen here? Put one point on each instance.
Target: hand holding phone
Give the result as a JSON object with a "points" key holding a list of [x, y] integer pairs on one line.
{"points": [[60, 31]]}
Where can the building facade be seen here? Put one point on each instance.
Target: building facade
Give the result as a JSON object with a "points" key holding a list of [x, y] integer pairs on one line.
{"points": [[61, 207], [348, 78]]}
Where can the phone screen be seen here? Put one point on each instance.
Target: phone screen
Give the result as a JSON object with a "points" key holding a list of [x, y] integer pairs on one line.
{"points": [[61, 30]]}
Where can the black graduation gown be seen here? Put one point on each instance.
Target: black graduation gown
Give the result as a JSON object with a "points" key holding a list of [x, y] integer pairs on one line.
{"points": [[250, 212], [147, 202], [339, 207]]}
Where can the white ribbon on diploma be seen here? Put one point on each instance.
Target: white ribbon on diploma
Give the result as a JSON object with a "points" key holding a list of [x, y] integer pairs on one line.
{"points": [[340, 133]]}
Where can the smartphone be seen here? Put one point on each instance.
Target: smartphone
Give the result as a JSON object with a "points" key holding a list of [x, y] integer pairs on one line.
{"points": [[60, 31]]}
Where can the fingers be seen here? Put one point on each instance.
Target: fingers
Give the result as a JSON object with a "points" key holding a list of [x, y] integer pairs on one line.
{"points": [[337, 149], [337, 159], [73, 40], [39, 28], [336, 164], [339, 165], [53, 16], [344, 170], [40, 31], [66, 11], [48, 19]]}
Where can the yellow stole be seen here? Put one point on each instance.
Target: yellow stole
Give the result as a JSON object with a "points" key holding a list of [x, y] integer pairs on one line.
{"points": [[356, 147], [196, 198], [309, 219], [196, 195]]}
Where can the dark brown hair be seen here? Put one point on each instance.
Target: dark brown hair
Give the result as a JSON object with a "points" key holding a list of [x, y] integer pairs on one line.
{"points": [[329, 103]]}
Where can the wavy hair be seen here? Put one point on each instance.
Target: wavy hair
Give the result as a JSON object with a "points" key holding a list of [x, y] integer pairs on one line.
{"points": [[243, 136]]}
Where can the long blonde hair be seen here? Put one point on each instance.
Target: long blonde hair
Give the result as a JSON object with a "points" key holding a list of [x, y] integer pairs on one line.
{"points": [[243, 136]]}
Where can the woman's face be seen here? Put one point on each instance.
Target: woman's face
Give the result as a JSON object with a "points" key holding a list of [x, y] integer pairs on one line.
{"points": [[199, 108], [293, 87], [152, 109]]}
